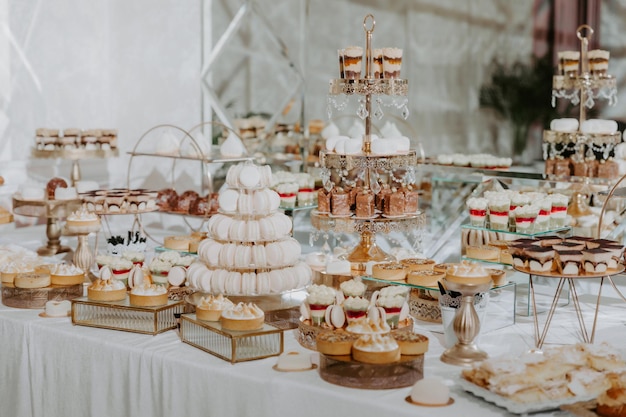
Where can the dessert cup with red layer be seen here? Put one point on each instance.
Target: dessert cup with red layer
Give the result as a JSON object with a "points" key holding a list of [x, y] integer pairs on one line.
{"points": [[392, 299], [543, 216], [477, 211], [355, 308], [319, 298], [499, 213], [525, 217], [558, 212]]}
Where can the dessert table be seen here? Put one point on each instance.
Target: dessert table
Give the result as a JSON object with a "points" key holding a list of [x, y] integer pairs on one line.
{"points": [[49, 367]]}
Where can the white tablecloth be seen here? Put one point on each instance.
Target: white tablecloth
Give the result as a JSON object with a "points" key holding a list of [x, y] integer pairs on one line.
{"points": [[48, 367], [51, 368]]}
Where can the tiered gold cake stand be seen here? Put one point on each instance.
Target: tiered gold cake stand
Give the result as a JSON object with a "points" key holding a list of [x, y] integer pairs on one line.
{"points": [[374, 168], [582, 89]]}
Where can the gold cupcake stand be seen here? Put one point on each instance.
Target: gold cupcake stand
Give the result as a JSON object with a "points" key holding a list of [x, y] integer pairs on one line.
{"points": [[582, 89], [344, 371], [373, 167]]}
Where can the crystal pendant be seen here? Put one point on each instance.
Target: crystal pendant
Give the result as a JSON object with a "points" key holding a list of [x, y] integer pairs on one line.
{"points": [[329, 108], [405, 112], [362, 111], [378, 113], [374, 184], [409, 177]]}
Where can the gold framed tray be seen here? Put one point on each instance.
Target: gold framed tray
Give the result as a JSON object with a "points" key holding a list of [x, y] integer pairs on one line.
{"points": [[121, 315], [307, 333], [38, 297], [342, 370], [281, 310], [229, 345]]}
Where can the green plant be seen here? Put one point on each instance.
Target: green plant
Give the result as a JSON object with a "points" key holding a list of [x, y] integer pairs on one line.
{"points": [[521, 94]]}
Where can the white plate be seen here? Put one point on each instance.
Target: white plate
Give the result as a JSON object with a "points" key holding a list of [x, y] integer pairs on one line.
{"points": [[514, 406]]}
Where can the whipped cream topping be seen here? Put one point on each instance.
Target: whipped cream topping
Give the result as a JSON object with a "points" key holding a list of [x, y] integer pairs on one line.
{"points": [[559, 199], [376, 343], [526, 211], [391, 300], [393, 290], [477, 203], [519, 199], [352, 287], [17, 267], [218, 302], [243, 311], [365, 325], [287, 188], [133, 256], [170, 257], [467, 270], [66, 269], [82, 215], [119, 264], [105, 259], [158, 265], [321, 295], [149, 289], [107, 285], [356, 303]]}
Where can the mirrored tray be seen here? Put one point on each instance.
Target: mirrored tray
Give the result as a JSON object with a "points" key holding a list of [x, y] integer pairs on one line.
{"points": [[232, 346], [514, 406], [121, 315], [342, 370], [38, 297], [281, 310]]}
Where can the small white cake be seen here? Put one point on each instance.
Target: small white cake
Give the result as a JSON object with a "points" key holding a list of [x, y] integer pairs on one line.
{"points": [[294, 361], [55, 308], [33, 193], [68, 193], [430, 391]]}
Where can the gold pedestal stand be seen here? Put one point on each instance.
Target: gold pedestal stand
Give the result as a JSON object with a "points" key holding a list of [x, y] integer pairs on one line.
{"points": [[367, 251], [83, 255], [466, 326], [53, 210]]}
